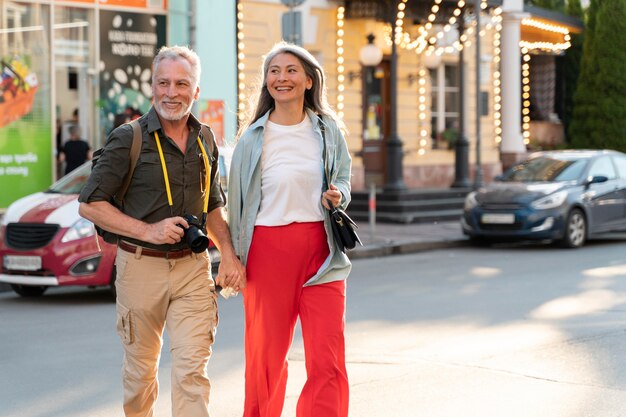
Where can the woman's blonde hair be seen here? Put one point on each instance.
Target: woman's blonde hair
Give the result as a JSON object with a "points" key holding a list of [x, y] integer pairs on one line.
{"points": [[315, 98]]}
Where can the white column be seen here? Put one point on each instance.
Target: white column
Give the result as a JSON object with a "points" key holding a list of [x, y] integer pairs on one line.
{"points": [[511, 87]]}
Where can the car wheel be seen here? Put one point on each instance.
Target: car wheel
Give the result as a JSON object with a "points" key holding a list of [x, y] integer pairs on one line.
{"points": [[112, 282], [575, 229], [29, 290]]}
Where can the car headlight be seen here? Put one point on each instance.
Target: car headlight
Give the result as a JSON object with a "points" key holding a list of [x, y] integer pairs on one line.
{"points": [[470, 201], [550, 201], [81, 229]]}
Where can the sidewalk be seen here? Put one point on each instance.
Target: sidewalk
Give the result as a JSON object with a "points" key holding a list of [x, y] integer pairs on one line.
{"points": [[394, 239]]}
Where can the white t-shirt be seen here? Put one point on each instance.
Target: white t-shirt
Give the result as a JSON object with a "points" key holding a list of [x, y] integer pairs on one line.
{"points": [[291, 175]]}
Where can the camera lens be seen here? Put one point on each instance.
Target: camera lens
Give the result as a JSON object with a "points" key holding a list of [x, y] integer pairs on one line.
{"points": [[197, 241]]}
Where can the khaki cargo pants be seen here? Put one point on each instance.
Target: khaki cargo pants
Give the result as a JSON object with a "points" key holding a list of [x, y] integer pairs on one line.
{"points": [[153, 293]]}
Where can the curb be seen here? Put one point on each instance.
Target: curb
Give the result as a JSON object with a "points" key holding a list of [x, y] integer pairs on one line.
{"points": [[378, 250]]}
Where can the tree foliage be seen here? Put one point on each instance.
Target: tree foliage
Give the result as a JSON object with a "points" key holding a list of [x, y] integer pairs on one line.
{"points": [[574, 8], [600, 99], [558, 5], [569, 66]]}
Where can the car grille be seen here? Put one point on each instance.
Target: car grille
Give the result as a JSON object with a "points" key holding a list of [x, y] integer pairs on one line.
{"points": [[501, 206], [29, 235], [501, 227]]}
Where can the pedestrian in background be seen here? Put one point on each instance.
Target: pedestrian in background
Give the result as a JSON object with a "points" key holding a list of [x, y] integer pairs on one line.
{"points": [[76, 151], [161, 282], [279, 223]]}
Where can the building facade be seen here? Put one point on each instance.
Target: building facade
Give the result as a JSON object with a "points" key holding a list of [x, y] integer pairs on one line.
{"points": [[86, 62], [446, 89]]}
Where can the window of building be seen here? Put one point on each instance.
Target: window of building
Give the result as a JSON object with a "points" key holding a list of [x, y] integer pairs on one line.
{"points": [[445, 95]]}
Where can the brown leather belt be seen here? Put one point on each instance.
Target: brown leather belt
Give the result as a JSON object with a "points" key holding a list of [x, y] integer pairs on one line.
{"points": [[177, 254]]}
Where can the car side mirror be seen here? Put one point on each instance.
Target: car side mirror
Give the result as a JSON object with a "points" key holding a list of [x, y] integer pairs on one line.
{"points": [[596, 179]]}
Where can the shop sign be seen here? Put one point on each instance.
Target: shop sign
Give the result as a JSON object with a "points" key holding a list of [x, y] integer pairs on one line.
{"points": [[128, 43], [211, 112]]}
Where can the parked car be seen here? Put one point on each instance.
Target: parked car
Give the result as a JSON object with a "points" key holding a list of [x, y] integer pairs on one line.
{"points": [[567, 196], [44, 242]]}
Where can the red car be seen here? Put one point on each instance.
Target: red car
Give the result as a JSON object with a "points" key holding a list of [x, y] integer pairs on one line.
{"points": [[44, 242]]}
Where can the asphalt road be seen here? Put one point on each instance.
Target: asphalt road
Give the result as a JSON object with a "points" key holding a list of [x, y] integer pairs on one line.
{"points": [[501, 331]]}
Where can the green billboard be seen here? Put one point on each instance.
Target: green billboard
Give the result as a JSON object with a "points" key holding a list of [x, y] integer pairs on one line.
{"points": [[25, 121]]}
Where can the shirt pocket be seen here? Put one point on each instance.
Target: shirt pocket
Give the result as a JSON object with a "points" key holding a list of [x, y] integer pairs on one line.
{"points": [[149, 172], [195, 170]]}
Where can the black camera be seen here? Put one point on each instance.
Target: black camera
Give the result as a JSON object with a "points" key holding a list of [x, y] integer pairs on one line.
{"points": [[194, 236]]}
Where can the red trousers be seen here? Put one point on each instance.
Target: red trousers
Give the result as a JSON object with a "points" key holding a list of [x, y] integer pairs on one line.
{"points": [[280, 261]]}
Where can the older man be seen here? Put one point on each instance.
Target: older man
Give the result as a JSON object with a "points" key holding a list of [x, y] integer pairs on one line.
{"points": [[161, 283]]}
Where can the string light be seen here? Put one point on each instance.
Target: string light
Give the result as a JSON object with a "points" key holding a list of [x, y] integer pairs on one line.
{"points": [[340, 60], [545, 26], [241, 82], [546, 46], [497, 96], [526, 95], [422, 112]]}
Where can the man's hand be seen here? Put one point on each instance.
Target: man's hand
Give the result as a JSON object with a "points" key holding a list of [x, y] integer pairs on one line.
{"points": [[109, 217], [167, 231]]}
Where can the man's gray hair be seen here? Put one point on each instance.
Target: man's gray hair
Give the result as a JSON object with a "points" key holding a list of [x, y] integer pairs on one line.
{"points": [[178, 52]]}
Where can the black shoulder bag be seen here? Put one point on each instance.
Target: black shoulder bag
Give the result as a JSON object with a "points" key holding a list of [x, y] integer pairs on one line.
{"points": [[341, 224]]}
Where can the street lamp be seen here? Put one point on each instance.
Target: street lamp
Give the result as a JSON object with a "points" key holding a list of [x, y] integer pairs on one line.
{"points": [[370, 55]]}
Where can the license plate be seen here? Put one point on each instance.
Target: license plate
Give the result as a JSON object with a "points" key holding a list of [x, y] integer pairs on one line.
{"points": [[498, 218], [22, 263]]}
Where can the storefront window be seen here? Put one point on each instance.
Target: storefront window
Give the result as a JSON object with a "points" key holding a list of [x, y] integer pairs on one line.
{"points": [[26, 156], [74, 73]]}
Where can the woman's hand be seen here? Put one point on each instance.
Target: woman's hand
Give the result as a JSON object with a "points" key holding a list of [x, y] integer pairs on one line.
{"points": [[332, 196]]}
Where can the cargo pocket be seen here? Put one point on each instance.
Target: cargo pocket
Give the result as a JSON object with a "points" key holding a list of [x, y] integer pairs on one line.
{"points": [[212, 311], [124, 325]]}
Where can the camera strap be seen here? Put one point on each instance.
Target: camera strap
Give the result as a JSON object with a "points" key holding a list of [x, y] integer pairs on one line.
{"points": [[207, 180]]}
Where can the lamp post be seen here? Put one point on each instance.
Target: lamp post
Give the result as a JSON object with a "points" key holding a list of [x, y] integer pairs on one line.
{"points": [[394, 180], [478, 176], [461, 151]]}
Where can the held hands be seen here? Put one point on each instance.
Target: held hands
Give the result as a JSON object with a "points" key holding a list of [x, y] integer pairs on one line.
{"points": [[231, 275], [332, 195]]}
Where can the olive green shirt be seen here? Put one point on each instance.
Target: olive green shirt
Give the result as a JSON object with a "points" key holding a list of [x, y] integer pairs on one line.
{"points": [[146, 198]]}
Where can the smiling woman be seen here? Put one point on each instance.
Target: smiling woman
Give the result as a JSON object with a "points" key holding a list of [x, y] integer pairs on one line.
{"points": [[278, 162]]}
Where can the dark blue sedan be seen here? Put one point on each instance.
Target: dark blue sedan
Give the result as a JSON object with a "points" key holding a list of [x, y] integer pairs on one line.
{"points": [[568, 196]]}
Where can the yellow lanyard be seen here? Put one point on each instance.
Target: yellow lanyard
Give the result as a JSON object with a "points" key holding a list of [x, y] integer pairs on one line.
{"points": [[207, 180]]}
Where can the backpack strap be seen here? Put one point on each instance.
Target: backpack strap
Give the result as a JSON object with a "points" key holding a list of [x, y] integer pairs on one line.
{"points": [[135, 148], [208, 136]]}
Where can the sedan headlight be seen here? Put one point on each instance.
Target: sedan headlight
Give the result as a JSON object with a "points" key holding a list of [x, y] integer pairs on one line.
{"points": [[550, 201], [81, 229], [470, 201]]}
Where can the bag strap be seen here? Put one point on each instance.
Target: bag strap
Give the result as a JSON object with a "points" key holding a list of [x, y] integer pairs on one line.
{"points": [[135, 148], [324, 155]]}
